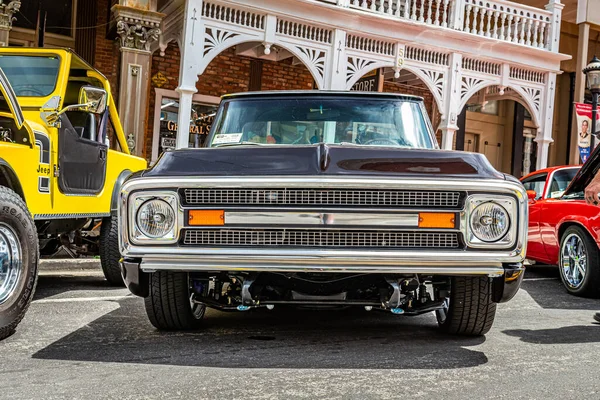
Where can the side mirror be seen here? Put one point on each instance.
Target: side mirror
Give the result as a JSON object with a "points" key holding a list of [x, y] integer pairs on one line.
{"points": [[531, 195], [91, 99]]}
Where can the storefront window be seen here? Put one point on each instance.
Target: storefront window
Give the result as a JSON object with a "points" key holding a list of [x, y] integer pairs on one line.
{"points": [[200, 122]]}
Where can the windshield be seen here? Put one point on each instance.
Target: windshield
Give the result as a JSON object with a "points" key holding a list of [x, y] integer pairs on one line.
{"points": [[31, 76], [320, 119]]}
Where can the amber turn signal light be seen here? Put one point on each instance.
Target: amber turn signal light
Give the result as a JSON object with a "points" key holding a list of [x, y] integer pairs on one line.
{"points": [[206, 217], [437, 220]]}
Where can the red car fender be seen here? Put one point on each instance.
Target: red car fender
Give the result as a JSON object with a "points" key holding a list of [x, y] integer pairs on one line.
{"points": [[590, 225]]}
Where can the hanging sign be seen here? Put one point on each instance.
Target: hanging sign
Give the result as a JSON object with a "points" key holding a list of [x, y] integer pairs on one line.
{"points": [[369, 82], [584, 129]]}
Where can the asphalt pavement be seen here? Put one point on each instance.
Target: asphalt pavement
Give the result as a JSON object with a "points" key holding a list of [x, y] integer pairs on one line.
{"points": [[82, 339]]}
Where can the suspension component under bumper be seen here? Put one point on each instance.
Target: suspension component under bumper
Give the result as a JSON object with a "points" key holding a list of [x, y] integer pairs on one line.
{"points": [[505, 285]]}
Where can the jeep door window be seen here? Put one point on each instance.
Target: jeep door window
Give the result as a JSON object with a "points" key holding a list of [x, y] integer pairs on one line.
{"points": [[31, 76], [304, 121]]}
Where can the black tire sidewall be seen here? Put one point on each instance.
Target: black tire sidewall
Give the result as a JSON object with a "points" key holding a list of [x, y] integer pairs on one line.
{"points": [[589, 286], [475, 307], [13, 214], [109, 250], [168, 304]]}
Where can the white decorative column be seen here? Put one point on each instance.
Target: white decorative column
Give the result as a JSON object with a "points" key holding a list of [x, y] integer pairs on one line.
{"points": [[451, 101], [191, 65], [335, 69], [137, 31], [7, 11], [544, 136]]}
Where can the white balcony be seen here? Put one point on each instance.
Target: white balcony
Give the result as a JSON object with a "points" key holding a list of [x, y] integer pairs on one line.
{"points": [[457, 48], [499, 20]]}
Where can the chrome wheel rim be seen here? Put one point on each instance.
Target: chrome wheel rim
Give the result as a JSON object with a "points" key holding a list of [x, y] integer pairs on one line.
{"points": [[573, 261], [11, 262]]}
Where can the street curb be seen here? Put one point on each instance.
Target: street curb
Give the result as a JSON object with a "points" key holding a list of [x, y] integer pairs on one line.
{"points": [[69, 264]]}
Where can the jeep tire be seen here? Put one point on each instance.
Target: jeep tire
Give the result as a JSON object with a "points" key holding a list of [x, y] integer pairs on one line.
{"points": [[470, 310], [109, 250], [19, 258], [169, 306]]}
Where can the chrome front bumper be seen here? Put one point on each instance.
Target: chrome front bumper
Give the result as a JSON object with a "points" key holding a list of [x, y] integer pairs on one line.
{"points": [[274, 260]]}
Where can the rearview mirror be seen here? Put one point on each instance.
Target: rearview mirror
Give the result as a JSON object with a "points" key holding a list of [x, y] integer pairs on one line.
{"points": [[531, 195]]}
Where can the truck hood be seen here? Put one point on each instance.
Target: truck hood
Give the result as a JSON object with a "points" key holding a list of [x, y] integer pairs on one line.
{"points": [[323, 159], [585, 175]]}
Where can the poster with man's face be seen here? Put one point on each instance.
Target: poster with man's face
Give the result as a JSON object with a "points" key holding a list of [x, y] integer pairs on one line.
{"points": [[584, 129]]}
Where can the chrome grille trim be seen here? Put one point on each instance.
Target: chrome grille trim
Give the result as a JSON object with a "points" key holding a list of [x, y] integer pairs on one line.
{"points": [[320, 238], [320, 197]]}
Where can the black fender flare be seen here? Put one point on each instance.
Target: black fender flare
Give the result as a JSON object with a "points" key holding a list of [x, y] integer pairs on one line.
{"points": [[114, 201], [8, 175]]}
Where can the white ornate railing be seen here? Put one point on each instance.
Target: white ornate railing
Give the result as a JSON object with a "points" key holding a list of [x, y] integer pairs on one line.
{"points": [[496, 19], [507, 21]]}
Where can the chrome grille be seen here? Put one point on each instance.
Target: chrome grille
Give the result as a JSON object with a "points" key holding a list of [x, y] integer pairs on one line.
{"points": [[320, 238], [328, 197]]}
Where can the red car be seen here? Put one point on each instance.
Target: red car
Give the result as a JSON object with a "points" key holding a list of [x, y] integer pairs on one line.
{"points": [[563, 229]]}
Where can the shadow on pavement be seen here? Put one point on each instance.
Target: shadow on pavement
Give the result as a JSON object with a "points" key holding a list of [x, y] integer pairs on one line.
{"points": [[565, 335], [349, 339], [52, 285], [550, 293]]}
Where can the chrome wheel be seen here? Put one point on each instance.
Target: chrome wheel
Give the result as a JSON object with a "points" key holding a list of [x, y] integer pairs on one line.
{"points": [[10, 261], [573, 261]]}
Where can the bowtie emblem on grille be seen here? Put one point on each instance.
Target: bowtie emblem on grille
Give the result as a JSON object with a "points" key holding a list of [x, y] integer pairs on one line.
{"points": [[327, 219], [272, 196]]}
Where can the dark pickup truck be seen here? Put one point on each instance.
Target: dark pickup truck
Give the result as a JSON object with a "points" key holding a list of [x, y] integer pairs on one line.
{"points": [[323, 199]]}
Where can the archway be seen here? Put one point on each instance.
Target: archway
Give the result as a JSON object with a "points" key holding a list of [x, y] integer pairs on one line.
{"points": [[502, 124], [217, 43], [411, 77]]}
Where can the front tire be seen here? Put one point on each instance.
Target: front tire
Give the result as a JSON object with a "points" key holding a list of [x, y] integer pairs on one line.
{"points": [[109, 250], [169, 305], [19, 258], [469, 308], [579, 263]]}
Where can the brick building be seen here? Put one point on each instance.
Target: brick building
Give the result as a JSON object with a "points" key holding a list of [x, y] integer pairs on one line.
{"points": [[488, 86]]}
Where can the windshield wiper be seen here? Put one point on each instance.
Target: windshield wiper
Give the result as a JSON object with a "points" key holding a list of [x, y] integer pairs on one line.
{"points": [[239, 144]]}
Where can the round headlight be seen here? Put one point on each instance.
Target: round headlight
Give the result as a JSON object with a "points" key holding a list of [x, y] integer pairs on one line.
{"points": [[489, 222], [155, 218]]}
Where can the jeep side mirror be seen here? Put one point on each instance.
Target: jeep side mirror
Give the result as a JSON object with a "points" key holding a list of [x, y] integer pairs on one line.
{"points": [[92, 99], [531, 195]]}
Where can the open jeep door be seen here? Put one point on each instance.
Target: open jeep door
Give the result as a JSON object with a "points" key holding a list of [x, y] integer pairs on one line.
{"points": [[82, 152]]}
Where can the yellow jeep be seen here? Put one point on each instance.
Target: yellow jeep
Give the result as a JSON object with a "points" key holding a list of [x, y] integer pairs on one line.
{"points": [[56, 163]]}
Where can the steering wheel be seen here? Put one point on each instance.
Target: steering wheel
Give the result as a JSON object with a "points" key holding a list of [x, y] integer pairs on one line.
{"points": [[380, 142], [26, 89]]}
